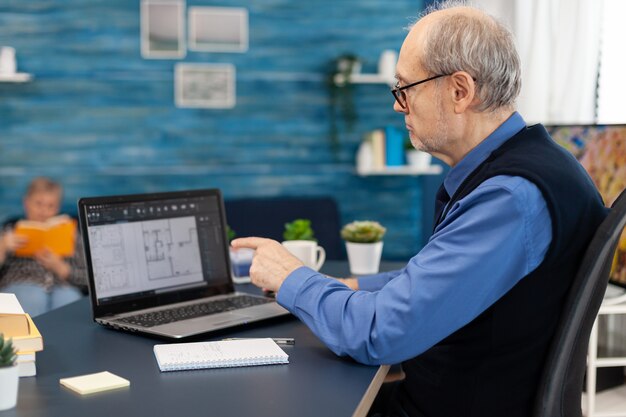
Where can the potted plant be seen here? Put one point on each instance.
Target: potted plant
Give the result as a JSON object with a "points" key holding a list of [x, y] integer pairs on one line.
{"points": [[230, 233], [301, 242], [341, 94], [299, 229], [364, 246], [415, 158], [9, 374]]}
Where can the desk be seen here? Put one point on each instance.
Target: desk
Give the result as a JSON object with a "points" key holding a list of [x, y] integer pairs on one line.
{"points": [[315, 383]]}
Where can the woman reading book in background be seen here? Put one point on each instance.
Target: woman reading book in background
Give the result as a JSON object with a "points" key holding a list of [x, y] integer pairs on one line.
{"points": [[41, 256]]}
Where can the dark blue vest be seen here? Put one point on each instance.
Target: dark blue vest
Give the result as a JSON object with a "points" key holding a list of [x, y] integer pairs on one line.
{"points": [[491, 366]]}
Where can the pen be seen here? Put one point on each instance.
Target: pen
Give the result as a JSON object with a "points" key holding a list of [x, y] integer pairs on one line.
{"points": [[277, 340]]}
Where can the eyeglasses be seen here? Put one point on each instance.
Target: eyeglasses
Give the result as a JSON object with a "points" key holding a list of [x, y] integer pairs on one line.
{"points": [[400, 95]]}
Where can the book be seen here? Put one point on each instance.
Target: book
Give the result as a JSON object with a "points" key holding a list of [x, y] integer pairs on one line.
{"points": [[25, 356], [364, 157], [33, 342], [91, 383], [13, 321], [394, 146], [26, 364], [378, 150], [26, 368], [56, 234], [221, 354]]}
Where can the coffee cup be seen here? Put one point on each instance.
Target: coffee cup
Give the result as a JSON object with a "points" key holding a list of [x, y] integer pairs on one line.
{"points": [[308, 251]]}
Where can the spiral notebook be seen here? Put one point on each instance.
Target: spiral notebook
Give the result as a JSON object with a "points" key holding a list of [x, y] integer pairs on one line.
{"points": [[221, 354]]}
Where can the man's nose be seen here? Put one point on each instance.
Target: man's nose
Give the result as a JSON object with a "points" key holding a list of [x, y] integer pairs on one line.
{"points": [[398, 108]]}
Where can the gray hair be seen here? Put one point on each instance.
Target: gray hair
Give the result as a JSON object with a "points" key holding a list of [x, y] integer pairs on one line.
{"points": [[480, 46]]}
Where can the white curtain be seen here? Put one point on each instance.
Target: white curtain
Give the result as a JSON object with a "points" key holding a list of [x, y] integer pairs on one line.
{"points": [[558, 43], [611, 88]]}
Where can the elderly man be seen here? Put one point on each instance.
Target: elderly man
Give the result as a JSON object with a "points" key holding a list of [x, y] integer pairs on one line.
{"points": [[472, 314]]}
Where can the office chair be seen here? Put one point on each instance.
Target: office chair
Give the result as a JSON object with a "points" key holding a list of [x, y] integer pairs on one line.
{"points": [[266, 217], [560, 387]]}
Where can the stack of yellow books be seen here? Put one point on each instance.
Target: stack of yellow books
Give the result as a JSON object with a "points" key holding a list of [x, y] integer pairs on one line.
{"points": [[17, 325]]}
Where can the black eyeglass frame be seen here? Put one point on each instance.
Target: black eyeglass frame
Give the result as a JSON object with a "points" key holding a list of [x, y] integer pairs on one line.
{"points": [[397, 90]]}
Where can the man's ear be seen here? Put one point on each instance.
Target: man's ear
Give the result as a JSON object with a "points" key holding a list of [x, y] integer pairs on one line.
{"points": [[463, 91]]}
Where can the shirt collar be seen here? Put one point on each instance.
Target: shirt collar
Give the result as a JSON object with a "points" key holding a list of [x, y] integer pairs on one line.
{"points": [[476, 156]]}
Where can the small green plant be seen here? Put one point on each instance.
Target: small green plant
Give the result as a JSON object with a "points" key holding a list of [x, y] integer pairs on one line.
{"points": [[230, 233], [299, 229], [363, 232], [7, 352], [408, 145]]}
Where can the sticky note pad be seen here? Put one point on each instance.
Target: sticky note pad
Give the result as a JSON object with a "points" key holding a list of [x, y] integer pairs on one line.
{"points": [[88, 384]]}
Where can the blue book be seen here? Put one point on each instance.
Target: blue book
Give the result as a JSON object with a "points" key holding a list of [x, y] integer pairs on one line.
{"points": [[394, 146]]}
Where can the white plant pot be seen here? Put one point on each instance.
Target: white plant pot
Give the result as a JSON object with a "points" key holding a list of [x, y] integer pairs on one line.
{"points": [[418, 159], [364, 258], [9, 380]]}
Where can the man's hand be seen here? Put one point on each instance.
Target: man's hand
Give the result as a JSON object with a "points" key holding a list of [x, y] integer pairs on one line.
{"points": [[272, 263], [53, 263]]}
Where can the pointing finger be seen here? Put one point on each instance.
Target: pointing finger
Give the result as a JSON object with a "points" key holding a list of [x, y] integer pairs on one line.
{"points": [[249, 242]]}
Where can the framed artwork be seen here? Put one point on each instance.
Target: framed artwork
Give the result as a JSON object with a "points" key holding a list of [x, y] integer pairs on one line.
{"points": [[218, 29], [601, 149], [163, 29], [205, 85]]}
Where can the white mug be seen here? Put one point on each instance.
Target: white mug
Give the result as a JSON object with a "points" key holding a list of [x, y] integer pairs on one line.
{"points": [[308, 251]]}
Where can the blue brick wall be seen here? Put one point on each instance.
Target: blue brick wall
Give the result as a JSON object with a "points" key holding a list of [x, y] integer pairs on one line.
{"points": [[102, 120]]}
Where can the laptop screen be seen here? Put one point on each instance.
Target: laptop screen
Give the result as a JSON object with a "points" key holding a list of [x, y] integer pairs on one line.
{"points": [[142, 248]]}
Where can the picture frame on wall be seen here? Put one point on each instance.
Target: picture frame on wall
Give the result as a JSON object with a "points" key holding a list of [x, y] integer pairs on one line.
{"points": [[218, 29], [210, 86], [163, 29]]}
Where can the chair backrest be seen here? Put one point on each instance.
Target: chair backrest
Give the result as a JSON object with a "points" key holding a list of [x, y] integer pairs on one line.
{"points": [[266, 217], [10, 221], [560, 387]]}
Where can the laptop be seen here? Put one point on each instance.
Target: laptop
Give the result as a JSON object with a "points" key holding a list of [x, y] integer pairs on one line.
{"points": [[159, 264]]}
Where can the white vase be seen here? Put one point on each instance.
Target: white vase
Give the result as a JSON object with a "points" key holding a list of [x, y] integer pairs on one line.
{"points": [[8, 65], [9, 380], [387, 65], [364, 258]]}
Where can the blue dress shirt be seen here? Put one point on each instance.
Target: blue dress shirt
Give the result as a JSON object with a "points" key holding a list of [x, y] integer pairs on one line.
{"points": [[486, 243]]}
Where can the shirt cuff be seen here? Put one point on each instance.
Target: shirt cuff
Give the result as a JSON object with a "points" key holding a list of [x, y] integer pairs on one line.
{"points": [[288, 292]]}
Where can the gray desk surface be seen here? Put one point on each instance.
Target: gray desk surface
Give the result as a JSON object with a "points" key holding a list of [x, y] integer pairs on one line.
{"points": [[315, 383]]}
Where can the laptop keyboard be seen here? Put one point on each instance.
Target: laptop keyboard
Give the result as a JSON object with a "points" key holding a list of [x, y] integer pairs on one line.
{"points": [[195, 310]]}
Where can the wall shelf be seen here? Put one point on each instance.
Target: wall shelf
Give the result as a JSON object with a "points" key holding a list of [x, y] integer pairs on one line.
{"points": [[401, 170], [359, 78], [611, 403], [18, 77]]}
